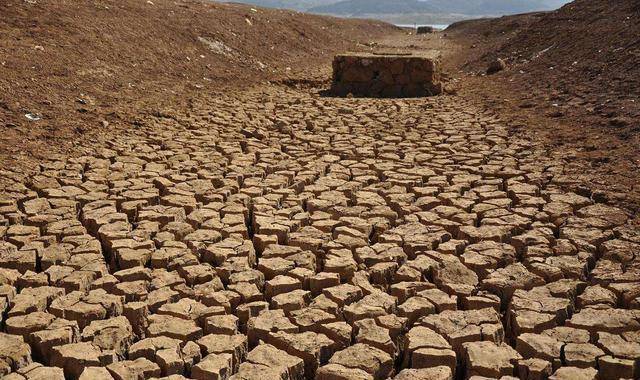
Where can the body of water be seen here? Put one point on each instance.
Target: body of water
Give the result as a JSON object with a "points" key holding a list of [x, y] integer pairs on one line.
{"points": [[437, 26]]}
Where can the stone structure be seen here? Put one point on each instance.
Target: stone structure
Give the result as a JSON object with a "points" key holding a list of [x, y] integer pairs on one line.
{"points": [[426, 29], [386, 75]]}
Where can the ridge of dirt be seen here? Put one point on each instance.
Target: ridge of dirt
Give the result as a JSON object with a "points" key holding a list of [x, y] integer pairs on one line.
{"points": [[87, 67], [572, 78]]}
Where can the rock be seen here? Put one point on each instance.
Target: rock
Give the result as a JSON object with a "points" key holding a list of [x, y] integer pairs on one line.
{"points": [[504, 282], [422, 338], [14, 353], [437, 373], [166, 353], [597, 296], [496, 66], [378, 75], [173, 327], [291, 301], [490, 360], [534, 369], [137, 314], [434, 357], [140, 368], [369, 359], [26, 324], [340, 372], [486, 256], [235, 345], [573, 373], [221, 324], [36, 371], [458, 327], [614, 368], [314, 349], [95, 373], [259, 328], [368, 332], [344, 294], [615, 321], [250, 371], [75, 357], [57, 333], [581, 355], [95, 305], [147, 348], [454, 277], [213, 367], [113, 334], [540, 347], [288, 366], [373, 305], [425, 30], [323, 280], [537, 310], [415, 308], [35, 300]]}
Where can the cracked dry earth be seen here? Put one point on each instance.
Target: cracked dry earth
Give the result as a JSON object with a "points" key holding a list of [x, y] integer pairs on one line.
{"points": [[275, 234]]}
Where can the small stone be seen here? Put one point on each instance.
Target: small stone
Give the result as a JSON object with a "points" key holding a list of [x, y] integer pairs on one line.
{"points": [[14, 353], [489, 360], [496, 66], [573, 373], [213, 367]]}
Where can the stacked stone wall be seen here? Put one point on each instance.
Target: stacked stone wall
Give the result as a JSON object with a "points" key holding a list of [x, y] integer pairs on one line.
{"points": [[425, 29], [374, 75]]}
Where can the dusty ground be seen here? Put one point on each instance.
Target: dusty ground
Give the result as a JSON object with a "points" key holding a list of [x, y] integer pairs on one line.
{"points": [[275, 233], [271, 232], [95, 67], [573, 79], [590, 127]]}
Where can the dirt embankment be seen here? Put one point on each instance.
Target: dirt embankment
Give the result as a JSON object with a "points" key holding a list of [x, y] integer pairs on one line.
{"points": [[573, 78], [84, 67]]}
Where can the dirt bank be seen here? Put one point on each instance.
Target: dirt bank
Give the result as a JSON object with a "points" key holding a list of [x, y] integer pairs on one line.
{"points": [[572, 78], [86, 67]]}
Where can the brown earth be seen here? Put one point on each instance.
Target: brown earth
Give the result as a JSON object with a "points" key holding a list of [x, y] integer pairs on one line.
{"points": [[82, 64], [264, 230], [107, 65], [573, 79]]}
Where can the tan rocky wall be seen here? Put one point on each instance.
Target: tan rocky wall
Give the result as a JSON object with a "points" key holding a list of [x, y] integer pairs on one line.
{"points": [[373, 75]]}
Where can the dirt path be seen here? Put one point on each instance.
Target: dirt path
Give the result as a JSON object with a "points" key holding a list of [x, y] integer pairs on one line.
{"points": [[274, 233]]}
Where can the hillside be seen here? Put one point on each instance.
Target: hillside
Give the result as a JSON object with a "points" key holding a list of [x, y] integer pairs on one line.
{"points": [[298, 5], [580, 83], [72, 68], [494, 7], [362, 7]]}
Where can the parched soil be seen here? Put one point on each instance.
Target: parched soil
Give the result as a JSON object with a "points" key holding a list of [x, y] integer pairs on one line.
{"points": [[573, 79], [95, 67], [273, 232]]}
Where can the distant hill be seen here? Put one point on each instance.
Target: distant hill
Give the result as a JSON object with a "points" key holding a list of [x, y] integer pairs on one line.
{"points": [[367, 7], [494, 7], [411, 11], [298, 5], [356, 8]]}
